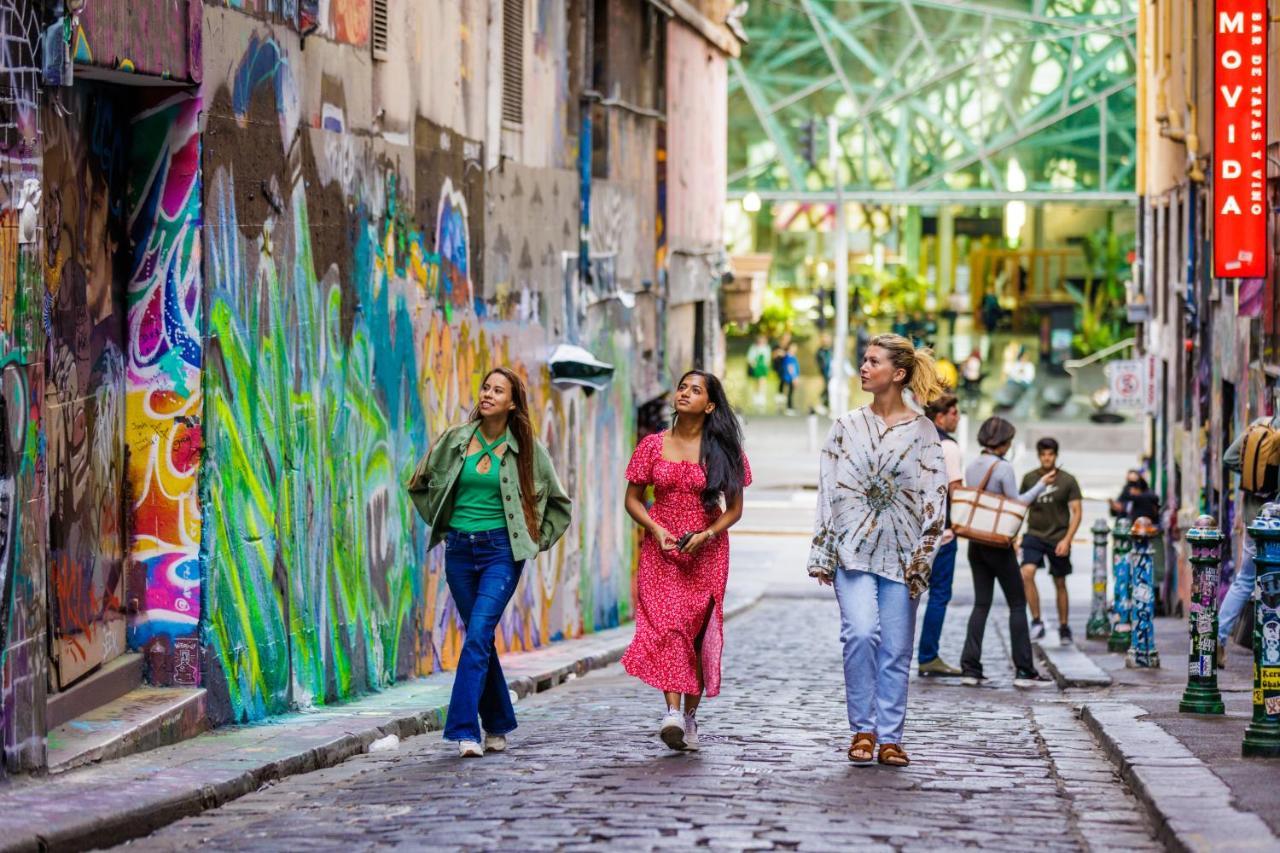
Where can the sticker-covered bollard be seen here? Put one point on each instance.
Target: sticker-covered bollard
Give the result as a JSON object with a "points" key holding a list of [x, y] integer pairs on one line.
{"points": [[1262, 738], [1122, 602], [1099, 625], [1142, 615], [1202, 695]]}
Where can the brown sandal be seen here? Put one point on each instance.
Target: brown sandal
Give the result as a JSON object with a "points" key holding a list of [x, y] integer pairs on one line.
{"points": [[892, 755], [863, 742]]}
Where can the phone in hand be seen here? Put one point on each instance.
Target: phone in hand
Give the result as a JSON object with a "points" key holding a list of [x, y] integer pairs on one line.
{"points": [[684, 540]]}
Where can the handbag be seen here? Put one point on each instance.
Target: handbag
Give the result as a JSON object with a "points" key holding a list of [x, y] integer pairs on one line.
{"points": [[986, 517]]}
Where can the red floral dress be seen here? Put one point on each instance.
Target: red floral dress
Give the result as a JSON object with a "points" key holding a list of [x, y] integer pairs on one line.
{"points": [[680, 597]]}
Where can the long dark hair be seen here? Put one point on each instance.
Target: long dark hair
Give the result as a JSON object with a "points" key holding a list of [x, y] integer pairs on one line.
{"points": [[521, 427], [721, 453]]}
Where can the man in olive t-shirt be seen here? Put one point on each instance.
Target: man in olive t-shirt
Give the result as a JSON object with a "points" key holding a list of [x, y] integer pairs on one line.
{"points": [[1052, 522]]}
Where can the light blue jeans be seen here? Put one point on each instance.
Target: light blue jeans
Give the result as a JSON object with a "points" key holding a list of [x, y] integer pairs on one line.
{"points": [[1240, 591], [877, 630]]}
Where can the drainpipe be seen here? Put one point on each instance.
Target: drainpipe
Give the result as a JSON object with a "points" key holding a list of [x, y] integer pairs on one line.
{"points": [[589, 96], [1189, 82], [1171, 121]]}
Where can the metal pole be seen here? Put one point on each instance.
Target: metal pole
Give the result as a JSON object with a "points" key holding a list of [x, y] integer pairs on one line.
{"points": [[1099, 627], [1142, 643], [1202, 695], [1262, 738], [1122, 605], [838, 385]]}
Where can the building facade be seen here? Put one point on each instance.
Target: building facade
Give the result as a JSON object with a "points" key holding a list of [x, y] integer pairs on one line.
{"points": [[256, 255], [1213, 339]]}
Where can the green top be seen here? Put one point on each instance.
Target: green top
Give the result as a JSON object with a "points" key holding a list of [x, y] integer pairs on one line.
{"points": [[478, 505], [1049, 517]]}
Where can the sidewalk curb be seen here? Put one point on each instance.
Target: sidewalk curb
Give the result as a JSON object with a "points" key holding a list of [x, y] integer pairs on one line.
{"points": [[1190, 807], [1070, 666], [89, 831]]}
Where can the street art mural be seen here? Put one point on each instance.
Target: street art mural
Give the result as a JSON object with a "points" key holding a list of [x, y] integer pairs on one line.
{"points": [[345, 330], [84, 315], [155, 37], [164, 401], [346, 21]]}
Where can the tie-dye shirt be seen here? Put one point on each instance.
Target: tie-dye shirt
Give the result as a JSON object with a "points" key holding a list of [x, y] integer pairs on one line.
{"points": [[882, 494]]}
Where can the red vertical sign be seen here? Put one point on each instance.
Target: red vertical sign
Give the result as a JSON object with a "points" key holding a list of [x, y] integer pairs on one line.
{"points": [[1240, 138]]}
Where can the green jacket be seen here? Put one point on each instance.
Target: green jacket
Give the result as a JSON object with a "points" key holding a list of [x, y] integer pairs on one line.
{"points": [[433, 481]]}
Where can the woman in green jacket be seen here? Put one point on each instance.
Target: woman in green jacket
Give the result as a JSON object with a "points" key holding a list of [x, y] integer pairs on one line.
{"points": [[488, 490]]}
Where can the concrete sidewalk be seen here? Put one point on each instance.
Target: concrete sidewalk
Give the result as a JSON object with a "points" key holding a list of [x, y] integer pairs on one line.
{"points": [[112, 801]]}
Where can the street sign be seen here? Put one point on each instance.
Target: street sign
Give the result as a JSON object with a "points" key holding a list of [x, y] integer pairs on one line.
{"points": [[1240, 139], [1127, 382]]}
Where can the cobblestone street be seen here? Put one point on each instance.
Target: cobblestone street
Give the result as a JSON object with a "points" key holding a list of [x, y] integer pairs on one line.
{"points": [[994, 768]]}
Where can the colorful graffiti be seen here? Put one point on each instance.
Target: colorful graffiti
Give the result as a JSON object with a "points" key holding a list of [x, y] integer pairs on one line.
{"points": [[164, 401], [325, 382], [157, 37]]}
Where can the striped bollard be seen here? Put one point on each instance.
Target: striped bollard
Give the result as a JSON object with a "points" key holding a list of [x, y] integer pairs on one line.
{"points": [[1099, 624], [1142, 570], [1262, 738], [1202, 695], [1121, 604]]}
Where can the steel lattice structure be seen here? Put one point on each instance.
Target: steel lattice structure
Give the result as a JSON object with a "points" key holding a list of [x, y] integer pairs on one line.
{"points": [[935, 97]]}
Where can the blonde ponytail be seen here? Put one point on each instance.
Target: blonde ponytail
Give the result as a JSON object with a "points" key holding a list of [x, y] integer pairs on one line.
{"points": [[925, 383], [922, 372]]}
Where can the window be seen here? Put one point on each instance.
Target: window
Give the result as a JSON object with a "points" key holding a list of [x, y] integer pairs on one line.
{"points": [[379, 33], [513, 61]]}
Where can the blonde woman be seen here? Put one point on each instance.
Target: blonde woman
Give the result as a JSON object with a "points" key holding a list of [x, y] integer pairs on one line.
{"points": [[882, 492]]}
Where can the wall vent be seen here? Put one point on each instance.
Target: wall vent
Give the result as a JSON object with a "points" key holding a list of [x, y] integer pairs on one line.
{"points": [[379, 34], [513, 61]]}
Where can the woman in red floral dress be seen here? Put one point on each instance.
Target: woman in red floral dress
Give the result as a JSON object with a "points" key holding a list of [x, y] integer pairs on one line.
{"points": [[698, 471]]}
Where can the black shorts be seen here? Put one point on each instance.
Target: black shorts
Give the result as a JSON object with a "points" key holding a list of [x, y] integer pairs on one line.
{"points": [[1036, 550]]}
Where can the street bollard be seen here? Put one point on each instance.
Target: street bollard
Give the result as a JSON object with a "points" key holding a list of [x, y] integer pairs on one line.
{"points": [[1202, 695], [1121, 604], [1142, 574], [1099, 625], [1262, 738]]}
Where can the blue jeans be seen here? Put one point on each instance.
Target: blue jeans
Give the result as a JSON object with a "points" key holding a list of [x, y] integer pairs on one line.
{"points": [[1240, 591], [482, 576], [877, 630], [944, 568]]}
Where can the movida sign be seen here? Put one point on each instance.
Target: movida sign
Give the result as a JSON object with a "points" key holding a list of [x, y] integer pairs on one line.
{"points": [[1240, 139]]}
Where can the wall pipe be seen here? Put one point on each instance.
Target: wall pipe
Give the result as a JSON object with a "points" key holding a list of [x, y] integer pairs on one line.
{"points": [[1190, 67]]}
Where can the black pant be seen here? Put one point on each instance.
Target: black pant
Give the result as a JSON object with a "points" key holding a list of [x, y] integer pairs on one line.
{"points": [[991, 564]]}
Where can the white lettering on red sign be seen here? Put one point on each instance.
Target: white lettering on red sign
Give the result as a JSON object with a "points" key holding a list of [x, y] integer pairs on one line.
{"points": [[1240, 139]]}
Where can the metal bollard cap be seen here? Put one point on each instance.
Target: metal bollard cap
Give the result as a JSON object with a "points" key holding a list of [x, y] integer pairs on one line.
{"points": [[1100, 527], [1144, 528], [1205, 530], [1267, 521], [1121, 527]]}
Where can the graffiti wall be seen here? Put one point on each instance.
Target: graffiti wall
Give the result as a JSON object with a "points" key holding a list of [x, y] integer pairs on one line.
{"points": [[348, 324], [85, 165], [155, 37], [23, 524]]}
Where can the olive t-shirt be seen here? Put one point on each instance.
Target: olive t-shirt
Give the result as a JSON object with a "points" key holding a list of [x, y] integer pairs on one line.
{"points": [[1050, 515]]}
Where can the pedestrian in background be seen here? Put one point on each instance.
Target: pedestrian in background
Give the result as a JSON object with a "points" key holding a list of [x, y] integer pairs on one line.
{"points": [[882, 493], [489, 491], [1246, 577], [777, 359], [823, 359], [945, 414], [992, 564], [698, 471], [790, 375], [1052, 522], [758, 356]]}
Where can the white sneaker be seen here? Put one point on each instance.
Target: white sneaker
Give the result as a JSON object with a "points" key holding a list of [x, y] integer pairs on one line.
{"points": [[672, 731], [690, 732], [495, 743], [469, 749]]}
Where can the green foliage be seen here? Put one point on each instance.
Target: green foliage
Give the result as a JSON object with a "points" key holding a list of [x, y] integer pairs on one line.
{"points": [[777, 316], [1102, 316], [886, 293]]}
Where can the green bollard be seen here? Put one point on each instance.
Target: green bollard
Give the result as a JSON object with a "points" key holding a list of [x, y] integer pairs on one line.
{"points": [[1262, 738], [1099, 624], [1122, 605], [1202, 695]]}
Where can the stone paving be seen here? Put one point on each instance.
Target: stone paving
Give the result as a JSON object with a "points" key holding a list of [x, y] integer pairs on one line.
{"points": [[993, 768]]}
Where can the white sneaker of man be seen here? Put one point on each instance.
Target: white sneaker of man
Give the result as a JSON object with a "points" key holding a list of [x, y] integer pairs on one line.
{"points": [[470, 749], [672, 730], [495, 743]]}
